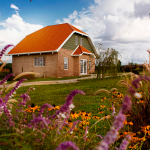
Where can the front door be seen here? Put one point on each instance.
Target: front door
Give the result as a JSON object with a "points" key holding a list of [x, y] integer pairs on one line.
{"points": [[83, 66]]}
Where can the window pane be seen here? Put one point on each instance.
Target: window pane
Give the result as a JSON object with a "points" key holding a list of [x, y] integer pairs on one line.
{"points": [[39, 61], [90, 65], [65, 63], [81, 41]]}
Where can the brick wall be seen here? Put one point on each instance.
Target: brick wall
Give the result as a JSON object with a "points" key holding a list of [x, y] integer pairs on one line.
{"points": [[61, 72], [27, 62], [54, 64]]}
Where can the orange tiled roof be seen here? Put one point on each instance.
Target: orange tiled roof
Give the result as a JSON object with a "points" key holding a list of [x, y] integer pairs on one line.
{"points": [[46, 39], [80, 50]]}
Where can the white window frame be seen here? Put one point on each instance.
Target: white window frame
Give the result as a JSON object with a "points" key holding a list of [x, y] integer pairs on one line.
{"points": [[65, 63], [76, 40], [81, 41], [39, 61], [89, 65], [83, 70]]}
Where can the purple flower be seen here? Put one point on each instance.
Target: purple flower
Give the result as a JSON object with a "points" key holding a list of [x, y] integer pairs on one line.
{"points": [[4, 50], [103, 146], [118, 120], [67, 144], [125, 142], [85, 135], [135, 83], [126, 104], [13, 90], [44, 122], [131, 90], [6, 78], [44, 106], [74, 125], [65, 107]]}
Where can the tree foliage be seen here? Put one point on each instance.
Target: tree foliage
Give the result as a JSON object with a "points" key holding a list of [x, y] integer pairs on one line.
{"points": [[106, 61]]}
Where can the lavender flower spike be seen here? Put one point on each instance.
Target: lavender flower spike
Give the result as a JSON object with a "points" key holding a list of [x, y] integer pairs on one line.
{"points": [[6, 78], [13, 90], [135, 83], [4, 50], [85, 135], [67, 144], [65, 107], [74, 125], [125, 142]]}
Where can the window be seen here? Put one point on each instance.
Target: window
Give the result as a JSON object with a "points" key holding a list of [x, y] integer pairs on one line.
{"points": [[76, 40], [89, 65], [39, 61], [65, 63], [83, 66], [81, 41]]}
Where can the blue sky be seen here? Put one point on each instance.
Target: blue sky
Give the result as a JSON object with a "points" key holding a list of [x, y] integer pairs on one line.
{"points": [[120, 24], [44, 12]]}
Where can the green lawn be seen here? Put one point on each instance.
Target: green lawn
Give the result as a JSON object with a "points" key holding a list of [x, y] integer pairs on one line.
{"points": [[57, 93]]}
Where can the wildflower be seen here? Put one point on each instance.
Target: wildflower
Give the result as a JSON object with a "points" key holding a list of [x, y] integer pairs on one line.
{"points": [[101, 112], [65, 107], [44, 106], [86, 116], [74, 115], [125, 142], [74, 125], [6, 78], [137, 95], [95, 117], [113, 113], [13, 90], [71, 106], [4, 50], [126, 104], [67, 144], [135, 83], [102, 106], [85, 135], [118, 120]]}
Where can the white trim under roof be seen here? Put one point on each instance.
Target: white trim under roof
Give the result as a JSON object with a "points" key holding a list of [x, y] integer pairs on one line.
{"points": [[75, 50], [54, 51], [82, 53], [90, 41]]}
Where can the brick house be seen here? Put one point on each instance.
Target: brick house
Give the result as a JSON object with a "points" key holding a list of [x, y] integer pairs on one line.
{"points": [[55, 51]]}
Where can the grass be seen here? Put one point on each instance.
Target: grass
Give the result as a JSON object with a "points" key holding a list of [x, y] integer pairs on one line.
{"points": [[57, 93], [90, 103]]}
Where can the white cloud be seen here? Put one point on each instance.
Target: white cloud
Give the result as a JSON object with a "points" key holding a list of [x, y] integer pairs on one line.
{"points": [[119, 24], [15, 29], [14, 7]]}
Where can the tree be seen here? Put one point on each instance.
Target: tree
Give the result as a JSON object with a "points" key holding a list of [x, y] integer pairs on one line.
{"points": [[106, 61]]}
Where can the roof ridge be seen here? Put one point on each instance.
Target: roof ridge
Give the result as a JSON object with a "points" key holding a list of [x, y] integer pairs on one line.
{"points": [[70, 26], [80, 48]]}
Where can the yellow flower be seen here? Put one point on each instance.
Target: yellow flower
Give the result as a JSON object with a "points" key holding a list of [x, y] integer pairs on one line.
{"points": [[130, 123], [74, 115], [57, 107], [102, 106], [86, 116], [95, 117], [101, 112]]}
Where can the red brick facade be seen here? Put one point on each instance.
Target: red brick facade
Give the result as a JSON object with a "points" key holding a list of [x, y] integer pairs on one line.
{"points": [[54, 64]]}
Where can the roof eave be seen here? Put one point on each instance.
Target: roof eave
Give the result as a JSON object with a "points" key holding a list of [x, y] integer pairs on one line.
{"points": [[54, 51]]}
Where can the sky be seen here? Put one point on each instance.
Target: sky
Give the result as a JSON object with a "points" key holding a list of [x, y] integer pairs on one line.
{"points": [[123, 25]]}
